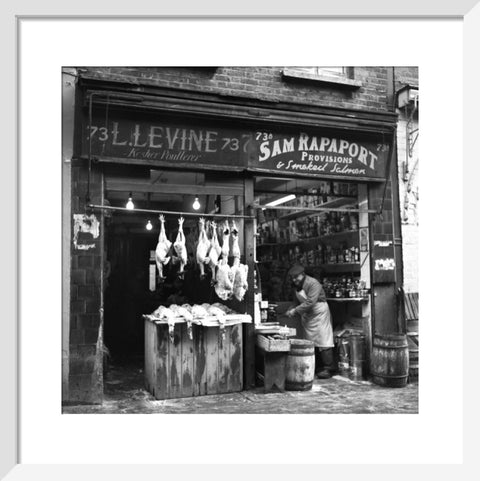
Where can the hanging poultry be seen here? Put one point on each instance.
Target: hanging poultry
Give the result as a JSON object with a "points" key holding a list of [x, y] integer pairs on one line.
{"points": [[180, 248], [240, 284], [214, 252], [224, 285], [163, 246], [202, 247], [225, 240], [235, 244]]}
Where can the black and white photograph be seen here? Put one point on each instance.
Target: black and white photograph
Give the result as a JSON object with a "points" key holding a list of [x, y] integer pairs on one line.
{"points": [[240, 240]]}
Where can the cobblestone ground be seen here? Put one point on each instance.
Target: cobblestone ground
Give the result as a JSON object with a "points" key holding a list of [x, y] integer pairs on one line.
{"points": [[124, 393]]}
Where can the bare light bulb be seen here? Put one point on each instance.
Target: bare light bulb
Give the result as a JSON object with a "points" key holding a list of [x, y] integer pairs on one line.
{"points": [[149, 225], [196, 204], [130, 205]]}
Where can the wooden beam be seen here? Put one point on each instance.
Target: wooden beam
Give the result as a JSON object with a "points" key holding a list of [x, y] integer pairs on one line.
{"points": [[249, 329], [145, 186]]}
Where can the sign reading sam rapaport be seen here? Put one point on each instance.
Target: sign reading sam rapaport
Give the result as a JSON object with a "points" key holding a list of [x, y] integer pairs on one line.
{"points": [[321, 154], [151, 141]]}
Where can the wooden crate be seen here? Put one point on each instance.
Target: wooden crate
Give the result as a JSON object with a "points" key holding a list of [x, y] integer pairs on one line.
{"points": [[272, 345], [209, 363]]}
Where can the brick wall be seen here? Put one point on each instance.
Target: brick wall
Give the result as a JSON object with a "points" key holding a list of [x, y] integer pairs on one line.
{"points": [[408, 167], [86, 350], [264, 83]]}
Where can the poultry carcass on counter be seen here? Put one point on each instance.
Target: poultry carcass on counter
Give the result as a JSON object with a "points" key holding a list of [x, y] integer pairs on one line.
{"points": [[199, 312], [223, 308], [202, 247], [165, 314], [163, 246], [220, 315], [225, 240], [181, 311], [214, 252], [180, 247], [224, 285]]}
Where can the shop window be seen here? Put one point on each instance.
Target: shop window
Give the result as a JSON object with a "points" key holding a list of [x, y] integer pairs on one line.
{"points": [[340, 76]]}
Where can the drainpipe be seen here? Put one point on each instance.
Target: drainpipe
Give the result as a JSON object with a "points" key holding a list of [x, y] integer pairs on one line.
{"points": [[396, 214]]}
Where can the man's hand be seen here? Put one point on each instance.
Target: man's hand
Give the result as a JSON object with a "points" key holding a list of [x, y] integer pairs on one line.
{"points": [[291, 312]]}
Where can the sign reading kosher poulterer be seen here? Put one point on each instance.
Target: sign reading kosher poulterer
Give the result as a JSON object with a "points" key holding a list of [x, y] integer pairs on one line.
{"points": [[164, 143]]}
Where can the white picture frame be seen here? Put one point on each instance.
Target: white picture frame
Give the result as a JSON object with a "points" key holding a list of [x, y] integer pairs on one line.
{"points": [[10, 466]]}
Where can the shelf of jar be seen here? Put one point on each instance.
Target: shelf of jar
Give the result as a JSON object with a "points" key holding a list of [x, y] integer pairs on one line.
{"points": [[306, 240], [348, 299], [333, 204], [333, 268], [341, 267]]}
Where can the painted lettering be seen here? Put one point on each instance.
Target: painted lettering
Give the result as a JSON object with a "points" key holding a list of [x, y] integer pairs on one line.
{"points": [[115, 133], [136, 136], [153, 135], [265, 151], [210, 141]]}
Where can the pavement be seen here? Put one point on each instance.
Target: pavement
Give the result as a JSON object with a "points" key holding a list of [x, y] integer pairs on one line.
{"points": [[125, 393]]}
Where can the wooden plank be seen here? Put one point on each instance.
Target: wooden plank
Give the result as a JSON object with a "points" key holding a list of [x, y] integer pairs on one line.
{"points": [[199, 361], [248, 329], [224, 361], [211, 337], [162, 378], [121, 185], [236, 359], [408, 308], [411, 311], [150, 360], [186, 362], [175, 363], [415, 303]]}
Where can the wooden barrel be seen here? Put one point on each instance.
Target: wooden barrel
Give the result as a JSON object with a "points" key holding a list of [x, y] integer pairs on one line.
{"points": [[357, 356], [300, 369], [389, 363], [413, 361]]}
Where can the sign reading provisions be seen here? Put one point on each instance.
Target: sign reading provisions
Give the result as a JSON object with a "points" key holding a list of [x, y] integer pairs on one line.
{"points": [[320, 154], [160, 142]]}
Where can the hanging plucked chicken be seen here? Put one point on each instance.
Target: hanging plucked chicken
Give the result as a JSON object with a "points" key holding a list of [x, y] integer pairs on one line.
{"points": [[225, 240], [214, 252], [203, 247], [238, 271], [224, 285], [163, 246], [180, 247], [235, 244]]}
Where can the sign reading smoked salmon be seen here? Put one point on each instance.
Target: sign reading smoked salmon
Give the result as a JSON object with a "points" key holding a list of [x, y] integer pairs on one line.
{"points": [[321, 154], [157, 141]]}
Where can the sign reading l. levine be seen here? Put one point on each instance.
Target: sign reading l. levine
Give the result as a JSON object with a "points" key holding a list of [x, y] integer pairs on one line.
{"points": [[150, 141]]}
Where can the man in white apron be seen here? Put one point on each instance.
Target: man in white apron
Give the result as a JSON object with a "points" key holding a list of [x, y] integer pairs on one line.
{"points": [[311, 306]]}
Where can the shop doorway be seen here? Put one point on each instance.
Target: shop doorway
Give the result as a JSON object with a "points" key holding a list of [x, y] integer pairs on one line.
{"points": [[132, 283], [316, 223]]}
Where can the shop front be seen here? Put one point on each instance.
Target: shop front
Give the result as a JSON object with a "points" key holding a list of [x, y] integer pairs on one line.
{"points": [[188, 212]]}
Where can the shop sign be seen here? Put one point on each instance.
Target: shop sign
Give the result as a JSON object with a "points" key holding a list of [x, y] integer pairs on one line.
{"points": [[151, 142], [320, 154], [159, 142]]}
